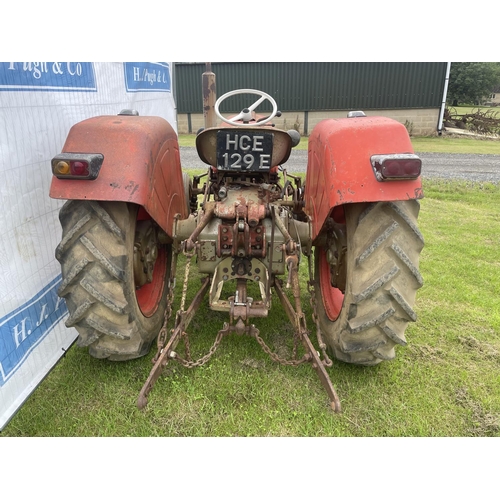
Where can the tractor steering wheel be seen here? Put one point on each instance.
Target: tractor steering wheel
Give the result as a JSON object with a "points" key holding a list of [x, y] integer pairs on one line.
{"points": [[246, 114]]}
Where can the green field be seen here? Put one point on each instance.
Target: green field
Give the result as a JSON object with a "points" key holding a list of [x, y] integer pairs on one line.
{"points": [[436, 144], [465, 110]]}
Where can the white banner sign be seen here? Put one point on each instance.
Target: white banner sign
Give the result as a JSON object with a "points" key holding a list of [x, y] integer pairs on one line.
{"points": [[39, 102]]}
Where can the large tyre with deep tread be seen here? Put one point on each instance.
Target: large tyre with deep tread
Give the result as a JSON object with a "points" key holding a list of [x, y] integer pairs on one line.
{"points": [[113, 319], [363, 325]]}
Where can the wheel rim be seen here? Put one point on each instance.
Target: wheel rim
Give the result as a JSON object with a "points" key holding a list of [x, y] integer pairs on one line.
{"points": [[149, 295], [332, 297]]}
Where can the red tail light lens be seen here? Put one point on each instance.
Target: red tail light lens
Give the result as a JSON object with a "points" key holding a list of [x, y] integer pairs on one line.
{"points": [[77, 166], [396, 167]]}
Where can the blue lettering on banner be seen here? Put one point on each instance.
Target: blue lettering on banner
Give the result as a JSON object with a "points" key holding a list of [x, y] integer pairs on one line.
{"points": [[147, 77], [48, 76], [23, 329]]}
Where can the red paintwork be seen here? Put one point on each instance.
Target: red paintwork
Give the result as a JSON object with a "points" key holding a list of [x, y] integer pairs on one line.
{"points": [[141, 165], [332, 297], [339, 169], [149, 295]]}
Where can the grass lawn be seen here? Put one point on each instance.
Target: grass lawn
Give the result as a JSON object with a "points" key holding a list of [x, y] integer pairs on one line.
{"points": [[455, 145], [465, 110], [446, 382], [441, 144]]}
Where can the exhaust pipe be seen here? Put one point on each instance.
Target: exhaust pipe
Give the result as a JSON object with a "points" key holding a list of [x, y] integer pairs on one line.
{"points": [[209, 97]]}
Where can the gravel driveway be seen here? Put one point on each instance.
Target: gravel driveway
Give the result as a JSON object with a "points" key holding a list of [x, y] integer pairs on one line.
{"points": [[485, 168]]}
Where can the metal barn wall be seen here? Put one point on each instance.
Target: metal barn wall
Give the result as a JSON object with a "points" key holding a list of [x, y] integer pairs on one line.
{"points": [[316, 86]]}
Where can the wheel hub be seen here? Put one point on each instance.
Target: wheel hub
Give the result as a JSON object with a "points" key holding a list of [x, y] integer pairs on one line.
{"points": [[145, 252], [336, 252]]}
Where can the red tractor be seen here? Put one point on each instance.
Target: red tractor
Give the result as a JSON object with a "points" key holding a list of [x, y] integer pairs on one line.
{"points": [[131, 211]]}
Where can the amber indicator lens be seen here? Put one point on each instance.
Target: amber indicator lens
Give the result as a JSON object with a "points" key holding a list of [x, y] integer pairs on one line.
{"points": [[62, 168]]}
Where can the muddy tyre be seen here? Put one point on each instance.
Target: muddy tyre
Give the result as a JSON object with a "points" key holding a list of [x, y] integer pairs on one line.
{"points": [[115, 318], [365, 323]]}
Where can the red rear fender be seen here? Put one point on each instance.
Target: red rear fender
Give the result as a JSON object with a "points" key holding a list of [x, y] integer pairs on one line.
{"points": [[141, 165], [339, 169]]}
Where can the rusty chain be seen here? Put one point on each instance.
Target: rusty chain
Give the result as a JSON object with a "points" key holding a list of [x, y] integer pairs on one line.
{"points": [[276, 358], [311, 284], [189, 257], [187, 363], [184, 335], [162, 338], [163, 334]]}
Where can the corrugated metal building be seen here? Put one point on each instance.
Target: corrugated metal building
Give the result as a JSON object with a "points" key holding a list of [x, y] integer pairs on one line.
{"points": [[410, 92]]}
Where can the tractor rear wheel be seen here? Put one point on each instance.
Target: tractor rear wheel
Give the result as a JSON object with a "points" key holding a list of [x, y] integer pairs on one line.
{"points": [[363, 322], [115, 277]]}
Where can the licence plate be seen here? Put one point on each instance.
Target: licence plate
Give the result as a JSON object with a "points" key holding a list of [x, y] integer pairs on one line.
{"points": [[247, 150]]}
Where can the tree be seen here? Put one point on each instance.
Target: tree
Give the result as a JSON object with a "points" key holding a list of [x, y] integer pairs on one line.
{"points": [[472, 82]]}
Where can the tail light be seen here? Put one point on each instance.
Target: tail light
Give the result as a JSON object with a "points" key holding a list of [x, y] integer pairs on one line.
{"points": [[396, 167], [77, 166]]}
